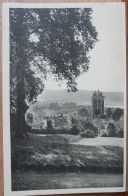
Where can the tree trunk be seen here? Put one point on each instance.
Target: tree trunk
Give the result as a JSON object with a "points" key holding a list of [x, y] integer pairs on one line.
{"points": [[21, 109], [21, 106], [21, 92]]}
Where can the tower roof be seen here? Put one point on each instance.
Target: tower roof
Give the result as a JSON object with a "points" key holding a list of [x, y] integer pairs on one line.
{"points": [[97, 94]]}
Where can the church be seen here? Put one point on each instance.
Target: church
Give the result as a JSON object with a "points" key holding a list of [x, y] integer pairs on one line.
{"points": [[97, 103]]}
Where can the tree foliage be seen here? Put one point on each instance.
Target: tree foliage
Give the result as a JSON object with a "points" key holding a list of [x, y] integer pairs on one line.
{"points": [[118, 112], [111, 130], [83, 112], [109, 112], [47, 42]]}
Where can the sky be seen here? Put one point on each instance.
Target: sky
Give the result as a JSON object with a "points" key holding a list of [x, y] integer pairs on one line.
{"points": [[107, 64]]}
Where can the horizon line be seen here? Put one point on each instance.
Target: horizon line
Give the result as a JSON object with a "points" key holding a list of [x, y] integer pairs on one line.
{"points": [[83, 90]]}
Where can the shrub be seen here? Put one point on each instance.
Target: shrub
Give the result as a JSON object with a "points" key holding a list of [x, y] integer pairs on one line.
{"points": [[91, 132], [104, 134], [88, 134], [118, 112], [111, 129], [120, 133], [50, 128], [75, 130], [83, 112], [109, 112]]}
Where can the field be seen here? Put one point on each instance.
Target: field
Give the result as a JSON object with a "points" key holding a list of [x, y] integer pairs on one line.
{"points": [[59, 161]]}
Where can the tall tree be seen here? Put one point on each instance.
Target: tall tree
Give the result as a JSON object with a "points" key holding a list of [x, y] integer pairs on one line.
{"points": [[109, 113], [43, 42], [116, 115]]}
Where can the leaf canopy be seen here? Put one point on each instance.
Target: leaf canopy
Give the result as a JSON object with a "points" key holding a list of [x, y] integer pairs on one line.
{"points": [[48, 41]]}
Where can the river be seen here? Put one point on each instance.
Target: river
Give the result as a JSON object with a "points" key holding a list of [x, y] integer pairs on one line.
{"points": [[49, 180]]}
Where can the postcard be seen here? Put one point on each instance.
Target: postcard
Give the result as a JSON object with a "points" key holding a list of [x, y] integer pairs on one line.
{"points": [[64, 98]]}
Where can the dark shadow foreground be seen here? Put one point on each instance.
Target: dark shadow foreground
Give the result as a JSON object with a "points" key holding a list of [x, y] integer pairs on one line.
{"points": [[50, 180]]}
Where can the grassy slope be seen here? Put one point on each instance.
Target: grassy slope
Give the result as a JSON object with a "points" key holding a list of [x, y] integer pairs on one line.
{"points": [[55, 153]]}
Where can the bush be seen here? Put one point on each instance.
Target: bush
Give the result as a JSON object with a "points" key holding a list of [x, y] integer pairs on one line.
{"points": [[87, 129], [75, 130], [111, 129], [83, 112], [88, 134], [118, 112], [120, 133], [50, 128], [104, 134], [109, 112]]}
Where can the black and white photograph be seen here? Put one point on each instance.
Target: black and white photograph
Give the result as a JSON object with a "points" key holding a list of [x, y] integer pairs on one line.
{"points": [[64, 98]]}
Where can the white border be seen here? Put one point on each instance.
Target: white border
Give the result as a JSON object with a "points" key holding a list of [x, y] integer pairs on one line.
{"points": [[6, 100]]}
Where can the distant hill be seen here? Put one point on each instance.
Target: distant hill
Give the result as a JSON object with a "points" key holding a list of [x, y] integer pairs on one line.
{"points": [[81, 97]]}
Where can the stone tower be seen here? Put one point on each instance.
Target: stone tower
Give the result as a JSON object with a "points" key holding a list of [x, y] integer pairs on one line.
{"points": [[97, 103]]}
